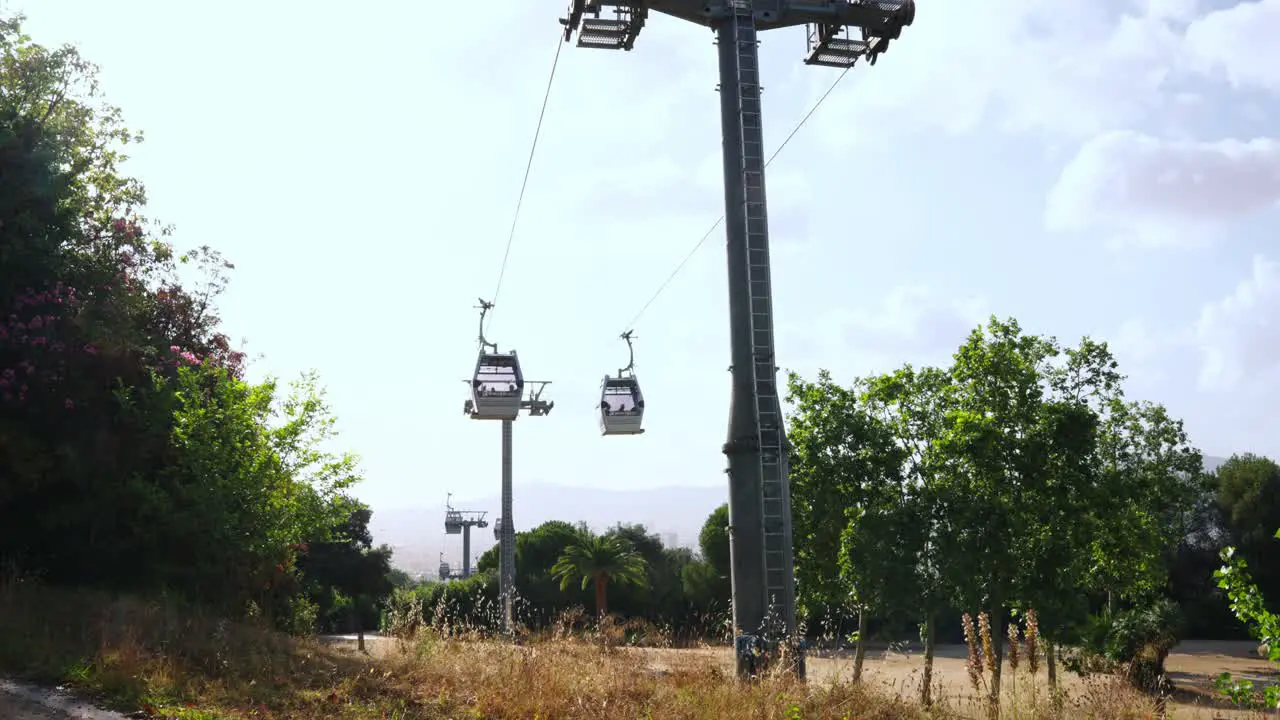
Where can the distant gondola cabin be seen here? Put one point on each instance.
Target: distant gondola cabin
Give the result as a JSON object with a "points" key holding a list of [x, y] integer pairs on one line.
{"points": [[621, 406], [497, 387]]}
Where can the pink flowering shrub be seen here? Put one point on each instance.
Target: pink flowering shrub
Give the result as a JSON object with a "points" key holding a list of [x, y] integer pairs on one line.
{"points": [[33, 342]]}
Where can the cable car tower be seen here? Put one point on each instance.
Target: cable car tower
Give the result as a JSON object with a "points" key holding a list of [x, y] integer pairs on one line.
{"points": [[839, 33], [498, 393], [621, 404], [460, 522]]}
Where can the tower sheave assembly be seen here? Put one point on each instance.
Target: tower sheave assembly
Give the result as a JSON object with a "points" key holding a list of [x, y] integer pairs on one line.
{"points": [[839, 33], [460, 522]]}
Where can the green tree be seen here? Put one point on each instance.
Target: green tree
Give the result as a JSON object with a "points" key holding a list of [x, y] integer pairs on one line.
{"points": [[1016, 472], [537, 551], [713, 540], [1151, 478], [134, 454], [909, 404], [706, 581], [848, 501], [598, 560], [660, 598], [346, 572], [1248, 494]]}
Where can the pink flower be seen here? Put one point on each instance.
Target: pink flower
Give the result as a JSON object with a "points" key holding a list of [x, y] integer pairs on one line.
{"points": [[69, 404]]}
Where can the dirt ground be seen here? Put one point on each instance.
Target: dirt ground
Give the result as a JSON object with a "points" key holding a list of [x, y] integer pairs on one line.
{"points": [[1192, 667]]}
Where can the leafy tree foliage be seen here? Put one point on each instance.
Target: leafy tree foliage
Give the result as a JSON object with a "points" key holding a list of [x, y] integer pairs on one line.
{"points": [[598, 560], [713, 540], [706, 580], [557, 568], [1016, 477], [1248, 494], [346, 574], [857, 540], [134, 454], [1250, 607]]}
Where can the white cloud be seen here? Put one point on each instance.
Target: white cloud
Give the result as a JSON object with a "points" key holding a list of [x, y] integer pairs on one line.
{"points": [[1157, 191], [1240, 42], [1150, 354], [1171, 9], [911, 324], [914, 320], [1040, 66], [1239, 335], [1134, 341], [1035, 65]]}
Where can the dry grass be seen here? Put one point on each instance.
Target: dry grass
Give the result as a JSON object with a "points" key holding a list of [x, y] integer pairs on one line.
{"points": [[138, 654]]}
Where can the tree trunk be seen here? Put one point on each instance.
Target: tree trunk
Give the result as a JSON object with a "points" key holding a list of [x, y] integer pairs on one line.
{"points": [[1051, 667], [997, 647], [926, 687], [860, 651], [359, 625], [601, 607]]}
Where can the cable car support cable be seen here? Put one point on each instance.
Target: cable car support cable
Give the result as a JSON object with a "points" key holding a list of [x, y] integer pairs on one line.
{"points": [[524, 184], [712, 229]]}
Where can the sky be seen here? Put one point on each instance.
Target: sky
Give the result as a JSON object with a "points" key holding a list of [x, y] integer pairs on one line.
{"points": [[1100, 167]]}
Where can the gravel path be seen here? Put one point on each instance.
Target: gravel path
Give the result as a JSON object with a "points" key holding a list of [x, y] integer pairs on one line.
{"points": [[21, 701]]}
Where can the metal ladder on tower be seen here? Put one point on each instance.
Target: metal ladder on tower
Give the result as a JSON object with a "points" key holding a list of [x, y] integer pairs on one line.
{"points": [[776, 510]]}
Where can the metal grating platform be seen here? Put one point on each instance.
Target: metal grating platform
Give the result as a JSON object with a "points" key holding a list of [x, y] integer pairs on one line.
{"points": [[616, 33], [841, 46], [837, 52]]}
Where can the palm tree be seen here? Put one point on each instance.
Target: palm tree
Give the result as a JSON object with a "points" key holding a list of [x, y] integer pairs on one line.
{"points": [[600, 559]]}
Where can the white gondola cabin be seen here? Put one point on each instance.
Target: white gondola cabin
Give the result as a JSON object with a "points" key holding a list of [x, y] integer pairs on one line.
{"points": [[497, 387], [621, 404], [497, 529]]}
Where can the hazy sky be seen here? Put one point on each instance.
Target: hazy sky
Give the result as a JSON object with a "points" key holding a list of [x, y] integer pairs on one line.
{"points": [[1097, 166]]}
